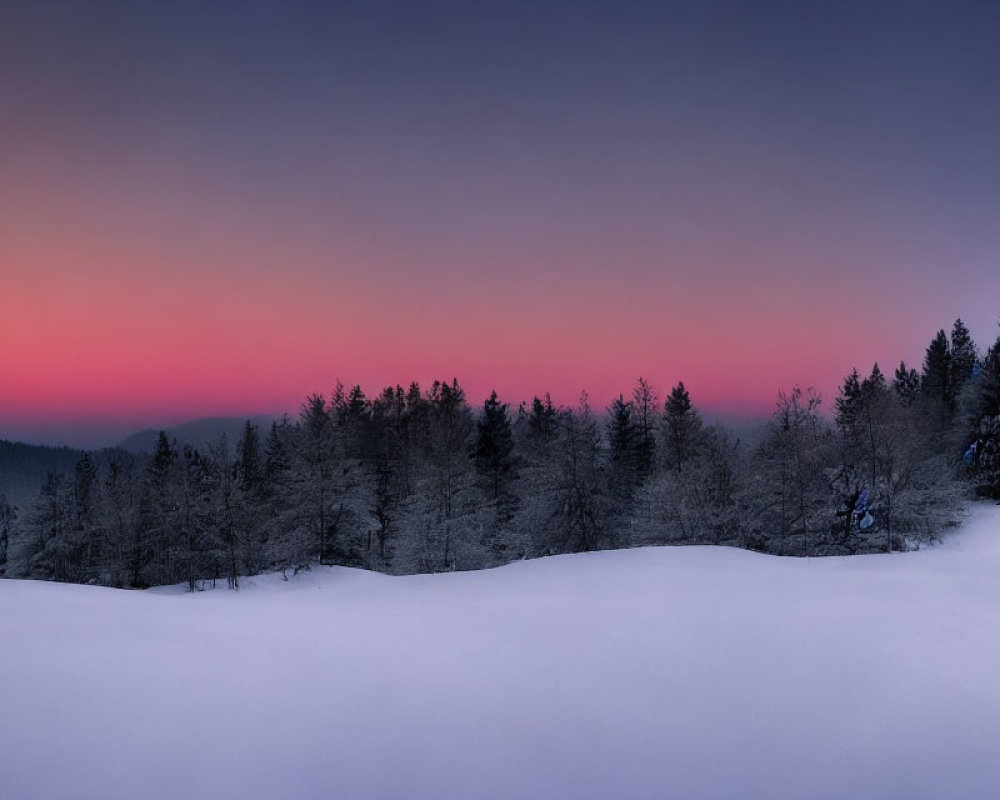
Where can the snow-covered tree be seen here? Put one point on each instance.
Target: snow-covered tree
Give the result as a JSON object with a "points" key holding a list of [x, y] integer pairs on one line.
{"points": [[681, 426], [7, 517]]}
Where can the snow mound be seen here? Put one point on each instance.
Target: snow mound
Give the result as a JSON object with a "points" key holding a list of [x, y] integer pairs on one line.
{"points": [[689, 672]]}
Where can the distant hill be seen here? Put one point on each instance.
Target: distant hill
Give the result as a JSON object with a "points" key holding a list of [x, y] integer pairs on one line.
{"points": [[749, 430], [198, 434], [24, 467]]}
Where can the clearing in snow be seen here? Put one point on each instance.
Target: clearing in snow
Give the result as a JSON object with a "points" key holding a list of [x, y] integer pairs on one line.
{"points": [[692, 672]]}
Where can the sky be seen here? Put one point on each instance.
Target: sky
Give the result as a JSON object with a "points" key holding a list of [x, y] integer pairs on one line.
{"points": [[217, 209]]}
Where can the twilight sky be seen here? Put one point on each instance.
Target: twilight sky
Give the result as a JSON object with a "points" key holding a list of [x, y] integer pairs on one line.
{"points": [[215, 210]]}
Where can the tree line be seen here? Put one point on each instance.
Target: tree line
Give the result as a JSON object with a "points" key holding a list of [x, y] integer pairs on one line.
{"points": [[416, 480]]}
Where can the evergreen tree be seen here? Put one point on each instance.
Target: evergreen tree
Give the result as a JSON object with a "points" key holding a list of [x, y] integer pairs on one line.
{"points": [[44, 545], [249, 461], [987, 390], [494, 451], [847, 405], [987, 461], [224, 507], [985, 421], [906, 384], [384, 506], [354, 416], [935, 382], [963, 358], [623, 477], [875, 382], [85, 487], [791, 469], [580, 507], [317, 456], [195, 516], [281, 519], [250, 497], [543, 421], [645, 403], [7, 517], [154, 546], [450, 428], [682, 425], [120, 517], [277, 456]]}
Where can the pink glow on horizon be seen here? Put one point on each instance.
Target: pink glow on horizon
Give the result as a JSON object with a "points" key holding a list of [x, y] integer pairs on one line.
{"points": [[144, 310], [93, 339]]}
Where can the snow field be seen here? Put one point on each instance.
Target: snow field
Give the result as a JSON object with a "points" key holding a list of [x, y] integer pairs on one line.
{"points": [[687, 672]]}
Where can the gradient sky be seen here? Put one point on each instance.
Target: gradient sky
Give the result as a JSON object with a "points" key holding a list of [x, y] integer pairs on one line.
{"points": [[215, 210]]}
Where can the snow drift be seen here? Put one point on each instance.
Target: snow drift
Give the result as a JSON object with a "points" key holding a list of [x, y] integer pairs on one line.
{"points": [[690, 672]]}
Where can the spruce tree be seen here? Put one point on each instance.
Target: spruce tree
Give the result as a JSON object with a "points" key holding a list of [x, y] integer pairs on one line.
{"points": [[987, 460], [44, 549], [906, 384], [156, 535], [193, 517], [580, 504], [963, 357], [645, 402], [354, 416], [623, 477], [250, 497], [543, 421], [987, 395], [874, 383], [494, 450], [935, 382], [317, 456], [249, 462], [682, 425], [450, 428], [84, 502], [847, 405], [7, 517]]}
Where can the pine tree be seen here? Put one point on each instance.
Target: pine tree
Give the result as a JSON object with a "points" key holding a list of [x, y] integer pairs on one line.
{"points": [[985, 419], [44, 549], [682, 425], [193, 507], [645, 403], [449, 432], [224, 509], [987, 462], [935, 382], [874, 383], [906, 384], [791, 464], [249, 462], [623, 477], [847, 405], [963, 357], [543, 421], [580, 504], [156, 535], [7, 517], [317, 456], [84, 507], [494, 450], [384, 506], [354, 416], [250, 497], [121, 516], [987, 403]]}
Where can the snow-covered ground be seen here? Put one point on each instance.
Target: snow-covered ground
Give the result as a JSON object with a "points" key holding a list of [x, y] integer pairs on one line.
{"points": [[677, 672]]}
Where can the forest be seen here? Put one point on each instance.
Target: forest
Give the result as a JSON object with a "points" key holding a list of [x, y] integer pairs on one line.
{"points": [[417, 480]]}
